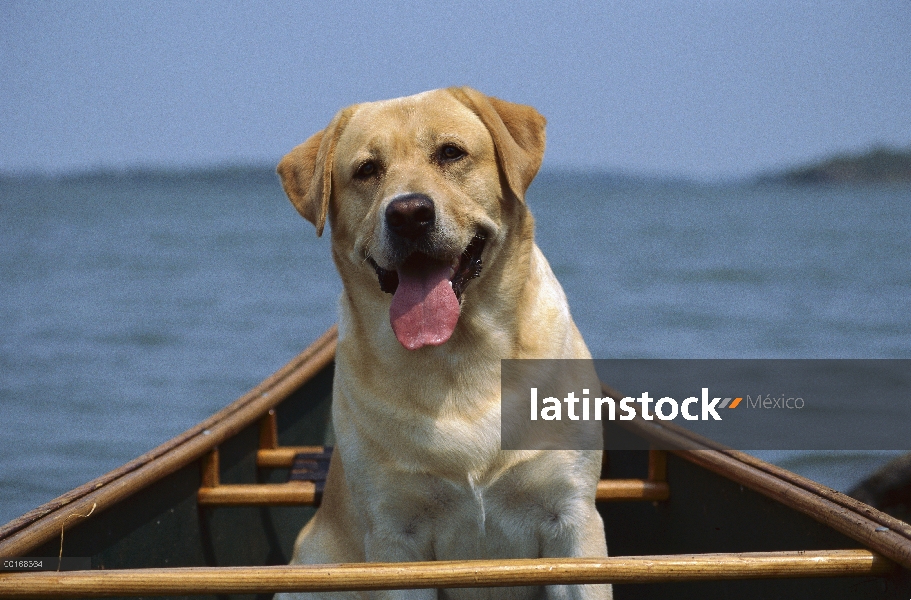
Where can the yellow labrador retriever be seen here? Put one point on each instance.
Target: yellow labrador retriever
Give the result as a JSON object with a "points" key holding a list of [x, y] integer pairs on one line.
{"points": [[442, 279]]}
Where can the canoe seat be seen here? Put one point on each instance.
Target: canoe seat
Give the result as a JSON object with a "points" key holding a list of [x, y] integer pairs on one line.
{"points": [[312, 466]]}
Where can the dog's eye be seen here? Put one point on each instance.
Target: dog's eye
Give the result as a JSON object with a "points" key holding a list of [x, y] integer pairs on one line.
{"points": [[450, 152], [367, 170]]}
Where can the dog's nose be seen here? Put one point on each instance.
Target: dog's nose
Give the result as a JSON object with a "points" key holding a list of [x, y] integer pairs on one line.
{"points": [[411, 216]]}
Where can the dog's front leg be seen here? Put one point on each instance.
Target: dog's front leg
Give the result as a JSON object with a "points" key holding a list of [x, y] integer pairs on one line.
{"points": [[582, 538], [404, 546]]}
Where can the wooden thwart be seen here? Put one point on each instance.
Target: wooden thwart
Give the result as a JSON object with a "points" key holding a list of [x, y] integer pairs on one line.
{"points": [[213, 493], [304, 493], [444, 574]]}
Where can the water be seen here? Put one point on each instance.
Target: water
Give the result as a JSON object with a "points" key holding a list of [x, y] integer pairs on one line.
{"points": [[133, 306]]}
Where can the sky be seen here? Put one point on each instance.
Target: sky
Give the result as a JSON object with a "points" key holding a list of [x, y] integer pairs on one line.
{"points": [[705, 90]]}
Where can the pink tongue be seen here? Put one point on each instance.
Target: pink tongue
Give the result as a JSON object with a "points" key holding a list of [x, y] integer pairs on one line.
{"points": [[424, 309]]}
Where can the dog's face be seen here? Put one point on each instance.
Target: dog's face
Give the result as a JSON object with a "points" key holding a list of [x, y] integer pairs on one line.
{"points": [[415, 190]]}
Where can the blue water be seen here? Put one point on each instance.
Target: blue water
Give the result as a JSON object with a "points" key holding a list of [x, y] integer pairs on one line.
{"points": [[133, 306]]}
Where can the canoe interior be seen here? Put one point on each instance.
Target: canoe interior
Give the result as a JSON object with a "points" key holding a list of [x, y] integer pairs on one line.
{"points": [[162, 525]]}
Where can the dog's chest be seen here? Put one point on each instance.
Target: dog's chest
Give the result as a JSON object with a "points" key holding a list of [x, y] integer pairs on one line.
{"points": [[503, 512], [462, 519]]}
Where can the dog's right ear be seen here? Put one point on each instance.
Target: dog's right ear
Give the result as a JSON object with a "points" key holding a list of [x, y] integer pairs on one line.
{"points": [[306, 172], [517, 131]]}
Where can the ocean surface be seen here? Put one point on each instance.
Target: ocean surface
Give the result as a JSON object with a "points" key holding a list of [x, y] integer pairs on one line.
{"points": [[134, 305]]}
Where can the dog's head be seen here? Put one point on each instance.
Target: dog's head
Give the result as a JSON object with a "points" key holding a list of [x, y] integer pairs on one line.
{"points": [[415, 190]]}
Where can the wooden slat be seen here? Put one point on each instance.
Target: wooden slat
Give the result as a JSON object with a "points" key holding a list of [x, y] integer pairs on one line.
{"points": [[210, 476], [268, 430], [293, 493], [473, 573], [627, 490], [282, 457], [304, 492], [657, 465], [19, 536]]}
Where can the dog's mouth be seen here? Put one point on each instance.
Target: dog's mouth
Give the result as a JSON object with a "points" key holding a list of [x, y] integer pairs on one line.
{"points": [[467, 268], [427, 293]]}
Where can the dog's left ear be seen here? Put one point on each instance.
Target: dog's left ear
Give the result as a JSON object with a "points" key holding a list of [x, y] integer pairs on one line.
{"points": [[306, 172], [517, 131]]}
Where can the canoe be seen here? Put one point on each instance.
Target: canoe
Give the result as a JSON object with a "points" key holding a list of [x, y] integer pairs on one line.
{"points": [[214, 513]]}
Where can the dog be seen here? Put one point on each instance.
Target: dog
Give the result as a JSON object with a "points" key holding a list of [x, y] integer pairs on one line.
{"points": [[441, 280]]}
